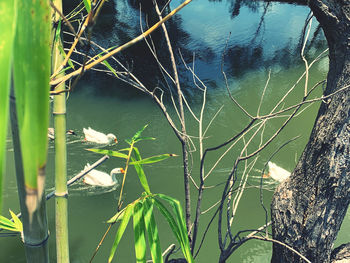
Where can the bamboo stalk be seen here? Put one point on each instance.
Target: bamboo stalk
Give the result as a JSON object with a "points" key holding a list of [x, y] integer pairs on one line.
{"points": [[61, 192], [35, 231], [7, 34]]}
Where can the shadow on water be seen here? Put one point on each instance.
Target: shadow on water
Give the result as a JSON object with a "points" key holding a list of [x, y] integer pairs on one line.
{"points": [[262, 37]]}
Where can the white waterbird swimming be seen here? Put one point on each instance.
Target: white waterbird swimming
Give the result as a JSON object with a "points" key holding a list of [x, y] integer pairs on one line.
{"points": [[98, 137], [99, 178]]}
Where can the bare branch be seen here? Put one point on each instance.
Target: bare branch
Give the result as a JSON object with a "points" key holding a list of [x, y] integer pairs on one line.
{"points": [[304, 59], [263, 94]]}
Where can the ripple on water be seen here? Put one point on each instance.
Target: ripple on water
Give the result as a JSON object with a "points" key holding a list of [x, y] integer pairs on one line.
{"points": [[81, 189]]}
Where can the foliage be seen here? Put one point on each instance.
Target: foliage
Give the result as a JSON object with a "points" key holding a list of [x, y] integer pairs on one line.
{"points": [[25, 56], [25, 48], [7, 33], [14, 225], [141, 210], [144, 222], [87, 4]]}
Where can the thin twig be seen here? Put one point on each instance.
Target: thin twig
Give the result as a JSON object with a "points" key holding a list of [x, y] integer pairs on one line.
{"points": [[226, 82], [71, 28], [282, 244], [263, 94], [304, 59]]}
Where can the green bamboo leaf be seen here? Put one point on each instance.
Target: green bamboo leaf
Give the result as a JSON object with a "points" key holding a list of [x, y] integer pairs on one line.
{"points": [[7, 224], [144, 139], [140, 172], [106, 63], [109, 152], [60, 47], [138, 133], [32, 69], [58, 32], [121, 229], [152, 230], [87, 4], [176, 207], [69, 62], [139, 233], [117, 217], [124, 150], [142, 176], [154, 159], [170, 219], [18, 224], [7, 33]]}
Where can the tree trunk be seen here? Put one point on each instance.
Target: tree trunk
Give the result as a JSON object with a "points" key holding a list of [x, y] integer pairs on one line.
{"points": [[308, 209], [341, 254]]}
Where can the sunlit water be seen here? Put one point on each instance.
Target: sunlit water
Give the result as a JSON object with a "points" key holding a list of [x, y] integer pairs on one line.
{"points": [[257, 44]]}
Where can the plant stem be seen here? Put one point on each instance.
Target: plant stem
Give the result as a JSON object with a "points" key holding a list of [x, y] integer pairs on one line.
{"points": [[35, 233], [126, 170], [61, 192]]}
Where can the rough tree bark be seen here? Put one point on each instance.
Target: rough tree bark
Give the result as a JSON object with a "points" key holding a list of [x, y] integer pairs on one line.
{"points": [[308, 209]]}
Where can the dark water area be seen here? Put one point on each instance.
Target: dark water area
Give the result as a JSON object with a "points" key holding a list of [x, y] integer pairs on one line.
{"points": [[252, 35], [247, 39]]}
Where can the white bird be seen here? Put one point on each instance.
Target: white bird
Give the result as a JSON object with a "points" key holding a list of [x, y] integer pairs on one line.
{"points": [[277, 173], [99, 137], [51, 133], [98, 178]]}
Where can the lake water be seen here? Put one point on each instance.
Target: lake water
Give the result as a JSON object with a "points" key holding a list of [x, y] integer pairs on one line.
{"points": [[264, 37]]}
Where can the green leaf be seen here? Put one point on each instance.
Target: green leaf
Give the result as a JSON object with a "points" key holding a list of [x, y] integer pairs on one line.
{"points": [[138, 133], [121, 229], [176, 207], [144, 139], [7, 224], [152, 230], [106, 63], [60, 47], [7, 33], [170, 219], [31, 71], [109, 152], [87, 4], [58, 33], [154, 159], [124, 150], [139, 233], [18, 224], [140, 172], [117, 217]]}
